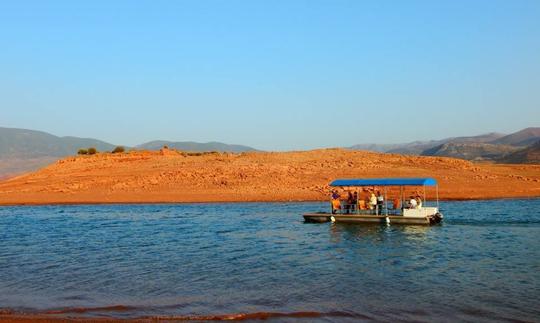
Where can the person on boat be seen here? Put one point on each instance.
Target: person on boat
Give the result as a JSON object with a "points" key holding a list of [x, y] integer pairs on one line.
{"points": [[380, 202], [336, 204], [350, 203], [372, 201], [418, 202], [355, 201], [396, 204], [413, 203]]}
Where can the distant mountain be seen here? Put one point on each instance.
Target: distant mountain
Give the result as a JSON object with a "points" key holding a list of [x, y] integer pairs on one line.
{"points": [[418, 147], [415, 147], [23, 143], [195, 146], [381, 148], [470, 150], [23, 150], [529, 155], [485, 138], [525, 137]]}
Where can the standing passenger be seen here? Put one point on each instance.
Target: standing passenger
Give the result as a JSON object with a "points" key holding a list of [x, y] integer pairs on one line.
{"points": [[350, 202], [380, 201], [355, 200], [372, 201], [336, 204]]}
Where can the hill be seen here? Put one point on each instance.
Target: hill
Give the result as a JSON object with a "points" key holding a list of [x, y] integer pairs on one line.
{"points": [[470, 151], [522, 138], [23, 150], [24, 143], [529, 155], [172, 176], [195, 146]]}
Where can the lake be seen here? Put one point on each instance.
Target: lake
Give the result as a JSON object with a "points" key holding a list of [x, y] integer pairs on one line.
{"points": [[260, 260]]}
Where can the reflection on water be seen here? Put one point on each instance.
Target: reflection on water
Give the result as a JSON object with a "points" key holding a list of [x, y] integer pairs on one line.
{"points": [[260, 260]]}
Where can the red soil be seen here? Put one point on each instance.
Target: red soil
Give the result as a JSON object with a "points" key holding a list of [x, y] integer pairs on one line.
{"points": [[172, 176]]}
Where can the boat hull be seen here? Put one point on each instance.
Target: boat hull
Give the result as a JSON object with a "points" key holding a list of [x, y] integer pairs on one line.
{"points": [[374, 219]]}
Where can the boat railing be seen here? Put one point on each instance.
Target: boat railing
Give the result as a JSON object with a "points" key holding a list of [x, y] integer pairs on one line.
{"points": [[376, 210], [379, 210]]}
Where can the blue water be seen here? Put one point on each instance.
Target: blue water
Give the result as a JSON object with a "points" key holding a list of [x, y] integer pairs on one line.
{"points": [[481, 264]]}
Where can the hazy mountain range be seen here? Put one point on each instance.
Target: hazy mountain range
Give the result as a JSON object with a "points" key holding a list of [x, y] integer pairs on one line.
{"points": [[23, 150], [194, 146], [491, 146]]}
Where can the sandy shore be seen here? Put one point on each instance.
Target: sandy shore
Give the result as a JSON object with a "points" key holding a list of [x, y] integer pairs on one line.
{"points": [[44, 318], [169, 176]]}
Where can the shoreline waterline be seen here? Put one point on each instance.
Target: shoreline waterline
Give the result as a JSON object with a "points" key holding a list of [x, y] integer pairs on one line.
{"points": [[277, 201]]}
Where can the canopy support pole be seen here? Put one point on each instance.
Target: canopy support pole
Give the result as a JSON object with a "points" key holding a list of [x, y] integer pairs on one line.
{"points": [[357, 206], [401, 196], [437, 192], [385, 202], [425, 199]]}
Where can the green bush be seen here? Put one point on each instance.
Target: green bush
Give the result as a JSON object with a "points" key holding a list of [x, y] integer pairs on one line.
{"points": [[92, 151], [118, 149], [82, 152]]}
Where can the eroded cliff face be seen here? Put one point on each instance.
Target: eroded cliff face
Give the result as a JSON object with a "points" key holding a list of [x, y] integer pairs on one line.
{"points": [[173, 176]]}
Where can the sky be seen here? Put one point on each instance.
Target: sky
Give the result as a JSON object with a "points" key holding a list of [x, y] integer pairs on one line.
{"points": [[274, 75]]}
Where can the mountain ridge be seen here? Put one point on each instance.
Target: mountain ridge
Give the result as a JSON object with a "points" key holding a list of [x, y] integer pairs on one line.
{"points": [[195, 146], [23, 150], [492, 146]]}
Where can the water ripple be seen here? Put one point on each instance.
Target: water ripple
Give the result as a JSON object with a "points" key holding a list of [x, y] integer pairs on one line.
{"points": [[260, 261]]}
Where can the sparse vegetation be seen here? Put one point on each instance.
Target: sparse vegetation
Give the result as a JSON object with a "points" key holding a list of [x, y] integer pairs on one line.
{"points": [[165, 147], [92, 151], [199, 153], [118, 149], [82, 152]]}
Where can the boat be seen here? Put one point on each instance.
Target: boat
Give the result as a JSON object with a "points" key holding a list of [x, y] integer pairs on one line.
{"points": [[397, 212]]}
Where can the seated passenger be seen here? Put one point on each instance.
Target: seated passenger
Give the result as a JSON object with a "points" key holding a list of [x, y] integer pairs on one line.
{"points": [[413, 203], [418, 201], [396, 204], [362, 205]]}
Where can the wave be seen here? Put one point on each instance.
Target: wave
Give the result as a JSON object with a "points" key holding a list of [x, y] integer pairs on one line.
{"points": [[488, 222]]}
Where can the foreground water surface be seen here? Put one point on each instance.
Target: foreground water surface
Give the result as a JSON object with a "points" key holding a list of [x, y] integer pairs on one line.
{"points": [[199, 260]]}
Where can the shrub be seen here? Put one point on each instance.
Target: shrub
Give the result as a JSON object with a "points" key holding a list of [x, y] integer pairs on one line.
{"points": [[92, 151], [118, 149], [165, 147], [82, 152]]}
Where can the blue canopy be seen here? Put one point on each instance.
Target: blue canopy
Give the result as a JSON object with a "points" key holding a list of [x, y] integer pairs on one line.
{"points": [[385, 182]]}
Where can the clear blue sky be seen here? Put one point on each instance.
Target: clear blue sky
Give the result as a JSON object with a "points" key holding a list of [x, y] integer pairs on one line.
{"points": [[275, 75]]}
